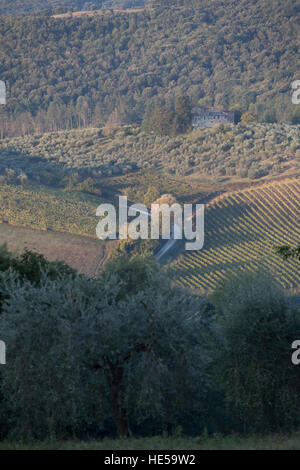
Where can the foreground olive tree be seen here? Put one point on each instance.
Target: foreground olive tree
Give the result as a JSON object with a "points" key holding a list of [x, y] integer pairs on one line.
{"points": [[145, 340], [127, 341], [256, 325]]}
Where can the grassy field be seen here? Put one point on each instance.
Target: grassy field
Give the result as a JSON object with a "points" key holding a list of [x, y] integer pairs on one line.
{"points": [[241, 231], [59, 224], [45, 208], [217, 442], [82, 253]]}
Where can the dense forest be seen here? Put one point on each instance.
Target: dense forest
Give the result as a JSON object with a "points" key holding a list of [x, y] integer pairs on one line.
{"points": [[64, 73], [16, 7]]}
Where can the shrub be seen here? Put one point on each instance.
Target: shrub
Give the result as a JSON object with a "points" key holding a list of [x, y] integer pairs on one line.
{"points": [[256, 327], [81, 352]]}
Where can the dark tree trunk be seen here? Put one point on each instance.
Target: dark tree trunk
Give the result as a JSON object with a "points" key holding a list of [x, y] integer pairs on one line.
{"points": [[115, 379]]}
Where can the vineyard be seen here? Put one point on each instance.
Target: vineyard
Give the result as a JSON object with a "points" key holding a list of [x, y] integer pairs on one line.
{"points": [[49, 209], [241, 231]]}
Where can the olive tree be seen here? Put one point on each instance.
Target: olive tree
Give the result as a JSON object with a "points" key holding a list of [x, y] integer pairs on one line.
{"points": [[45, 391], [127, 344], [256, 325], [287, 252], [145, 341]]}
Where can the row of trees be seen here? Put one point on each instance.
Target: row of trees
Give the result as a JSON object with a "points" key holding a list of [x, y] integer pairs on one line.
{"points": [[252, 150], [129, 353], [169, 122]]}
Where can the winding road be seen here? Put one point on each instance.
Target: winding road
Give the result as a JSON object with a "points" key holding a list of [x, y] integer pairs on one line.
{"points": [[175, 231]]}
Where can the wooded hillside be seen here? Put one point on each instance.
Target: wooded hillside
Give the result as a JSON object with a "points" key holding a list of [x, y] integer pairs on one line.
{"points": [[74, 72]]}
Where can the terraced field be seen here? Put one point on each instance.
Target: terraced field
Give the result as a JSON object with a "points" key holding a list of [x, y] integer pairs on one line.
{"points": [[241, 230]]}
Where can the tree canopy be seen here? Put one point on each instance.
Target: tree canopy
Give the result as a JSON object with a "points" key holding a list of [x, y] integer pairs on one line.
{"points": [[72, 72]]}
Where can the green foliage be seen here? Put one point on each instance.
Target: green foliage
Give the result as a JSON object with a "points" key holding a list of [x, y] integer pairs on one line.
{"points": [[248, 117], [51, 158], [151, 195], [129, 248], [28, 6], [296, 117], [46, 209], [203, 442], [287, 252], [183, 116], [120, 64], [87, 185], [132, 275], [31, 266], [125, 346], [256, 328], [172, 123], [44, 392], [160, 122], [241, 230], [122, 352]]}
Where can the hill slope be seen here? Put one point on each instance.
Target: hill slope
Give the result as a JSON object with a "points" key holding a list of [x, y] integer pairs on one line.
{"points": [[241, 231], [70, 72], [230, 153], [17, 7], [82, 253]]}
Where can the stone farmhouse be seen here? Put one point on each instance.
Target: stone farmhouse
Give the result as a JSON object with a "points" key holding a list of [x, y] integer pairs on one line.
{"points": [[207, 117]]}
